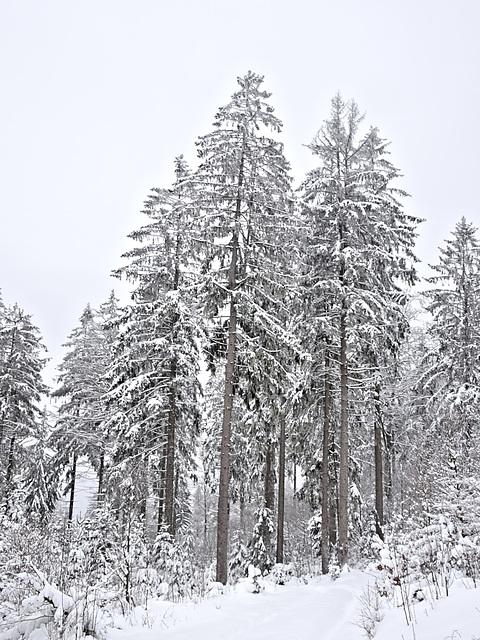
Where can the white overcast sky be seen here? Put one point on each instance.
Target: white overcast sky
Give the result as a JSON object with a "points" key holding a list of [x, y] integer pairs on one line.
{"points": [[99, 96]]}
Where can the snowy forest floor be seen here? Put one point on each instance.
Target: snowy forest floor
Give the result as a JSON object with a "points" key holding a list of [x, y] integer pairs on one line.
{"points": [[320, 608]]}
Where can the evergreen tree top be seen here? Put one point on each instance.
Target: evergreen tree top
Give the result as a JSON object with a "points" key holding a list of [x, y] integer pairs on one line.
{"points": [[248, 108]]}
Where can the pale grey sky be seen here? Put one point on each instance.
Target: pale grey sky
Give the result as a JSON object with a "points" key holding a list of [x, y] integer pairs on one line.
{"points": [[99, 96]]}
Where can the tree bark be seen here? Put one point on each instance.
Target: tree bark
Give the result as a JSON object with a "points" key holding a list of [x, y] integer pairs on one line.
{"points": [[269, 486], [325, 465], [72, 487], [161, 489], [379, 518], [281, 490], [101, 468], [223, 507], [170, 461], [343, 470]]}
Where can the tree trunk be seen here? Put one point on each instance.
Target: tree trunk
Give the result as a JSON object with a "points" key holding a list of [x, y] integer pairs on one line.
{"points": [[161, 490], [101, 469], [269, 486], [343, 470], [294, 476], [281, 490], [379, 519], [325, 464], [72, 487], [170, 462], [223, 507]]}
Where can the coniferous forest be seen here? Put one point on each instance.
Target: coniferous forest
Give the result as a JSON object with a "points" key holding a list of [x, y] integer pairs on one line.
{"points": [[282, 392]]}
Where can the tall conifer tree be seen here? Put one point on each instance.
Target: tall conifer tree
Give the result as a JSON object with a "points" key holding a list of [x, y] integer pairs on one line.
{"points": [[244, 203], [361, 244], [21, 388], [155, 375]]}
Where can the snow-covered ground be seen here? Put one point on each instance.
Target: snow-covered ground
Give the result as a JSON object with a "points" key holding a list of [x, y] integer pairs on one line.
{"points": [[321, 609]]}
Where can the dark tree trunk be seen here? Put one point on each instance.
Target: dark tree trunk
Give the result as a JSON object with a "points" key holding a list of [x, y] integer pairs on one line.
{"points": [[223, 489], [343, 469], [325, 474], [161, 489], [281, 490], [389, 458], [72, 487], [269, 485], [333, 495], [101, 470], [170, 461], [294, 476], [223, 507], [379, 519]]}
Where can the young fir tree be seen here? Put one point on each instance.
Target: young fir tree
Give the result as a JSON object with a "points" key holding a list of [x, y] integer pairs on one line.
{"points": [[155, 375], [40, 480], [360, 253], [21, 388], [245, 212], [82, 387]]}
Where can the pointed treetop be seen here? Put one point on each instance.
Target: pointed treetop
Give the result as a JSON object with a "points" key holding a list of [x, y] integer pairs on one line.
{"points": [[87, 315], [182, 169], [248, 107]]}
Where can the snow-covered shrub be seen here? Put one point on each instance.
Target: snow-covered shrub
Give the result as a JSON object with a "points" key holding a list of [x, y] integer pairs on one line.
{"points": [[259, 548], [371, 610], [46, 612], [253, 583], [421, 562], [314, 529], [179, 577], [238, 558], [334, 569], [281, 573]]}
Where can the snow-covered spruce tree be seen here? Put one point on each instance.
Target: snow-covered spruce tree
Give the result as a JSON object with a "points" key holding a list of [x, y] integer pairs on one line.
{"points": [[360, 253], [155, 374], [453, 375], [451, 378], [41, 479], [79, 430], [245, 212], [21, 388]]}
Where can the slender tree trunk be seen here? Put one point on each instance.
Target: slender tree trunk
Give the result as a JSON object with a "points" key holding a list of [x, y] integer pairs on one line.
{"points": [[170, 462], [379, 519], [294, 475], [281, 490], [72, 487], [242, 509], [332, 521], [389, 458], [333, 497], [343, 470], [325, 465], [223, 506], [169, 507], [205, 517], [161, 490], [269, 486], [101, 470]]}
